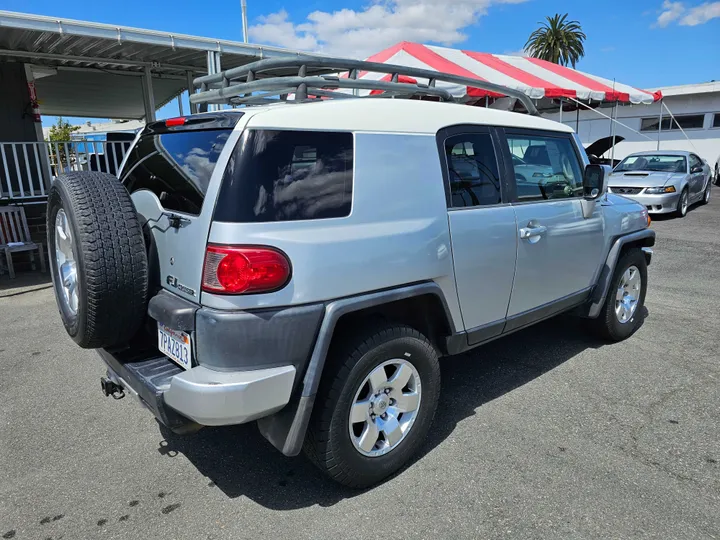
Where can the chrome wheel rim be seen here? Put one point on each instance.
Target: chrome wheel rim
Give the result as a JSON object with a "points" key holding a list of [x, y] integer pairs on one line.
{"points": [[628, 294], [684, 202], [385, 407], [65, 262]]}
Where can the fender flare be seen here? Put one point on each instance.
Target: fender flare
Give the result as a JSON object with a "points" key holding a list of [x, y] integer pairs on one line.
{"points": [[644, 238], [286, 429]]}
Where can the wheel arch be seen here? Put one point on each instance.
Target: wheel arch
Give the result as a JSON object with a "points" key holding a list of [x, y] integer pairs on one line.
{"points": [[639, 239], [286, 429]]}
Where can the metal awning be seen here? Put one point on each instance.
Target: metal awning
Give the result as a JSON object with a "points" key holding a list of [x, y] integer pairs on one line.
{"points": [[104, 53]]}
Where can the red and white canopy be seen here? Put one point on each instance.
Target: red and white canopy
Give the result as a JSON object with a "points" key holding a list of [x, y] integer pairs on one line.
{"points": [[536, 78]]}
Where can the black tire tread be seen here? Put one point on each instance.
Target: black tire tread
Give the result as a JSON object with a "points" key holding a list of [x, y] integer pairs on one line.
{"points": [[318, 447], [114, 257]]}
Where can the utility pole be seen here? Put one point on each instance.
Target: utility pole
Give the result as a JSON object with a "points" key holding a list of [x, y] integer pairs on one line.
{"points": [[243, 6]]}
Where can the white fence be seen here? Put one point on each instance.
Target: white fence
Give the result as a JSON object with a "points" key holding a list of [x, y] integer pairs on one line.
{"points": [[28, 168]]}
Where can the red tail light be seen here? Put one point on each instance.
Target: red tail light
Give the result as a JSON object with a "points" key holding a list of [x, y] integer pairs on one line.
{"points": [[243, 270]]}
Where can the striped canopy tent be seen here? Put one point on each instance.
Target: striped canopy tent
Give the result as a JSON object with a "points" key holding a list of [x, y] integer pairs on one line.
{"points": [[537, 78]]}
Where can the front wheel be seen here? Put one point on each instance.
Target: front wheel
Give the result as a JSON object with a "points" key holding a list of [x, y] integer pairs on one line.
{"points": [[622, 313], [375, 406], [683, 203]]}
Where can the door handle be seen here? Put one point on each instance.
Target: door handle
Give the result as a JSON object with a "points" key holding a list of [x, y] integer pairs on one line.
{"points": [[529, 232]]}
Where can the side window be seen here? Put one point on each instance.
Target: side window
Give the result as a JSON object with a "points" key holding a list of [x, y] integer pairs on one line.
{"points": [[694, 161], [472, 170], [545, 167], [277, 175]]}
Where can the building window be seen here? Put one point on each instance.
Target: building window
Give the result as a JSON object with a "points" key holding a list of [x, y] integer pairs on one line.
{"points": [[716, 120], [685, 121]]}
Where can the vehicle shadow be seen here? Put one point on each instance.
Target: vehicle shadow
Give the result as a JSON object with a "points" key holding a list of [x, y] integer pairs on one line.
{"points": [[239, 461]]}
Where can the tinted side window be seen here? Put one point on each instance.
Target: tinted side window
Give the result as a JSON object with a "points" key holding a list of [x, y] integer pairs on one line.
{"points": [[287, 176], [545, 167], [695, 161], [176, 166], [472, 170]]}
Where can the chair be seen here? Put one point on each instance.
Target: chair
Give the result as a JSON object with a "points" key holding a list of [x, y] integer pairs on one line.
{"points": [[15, 237]]}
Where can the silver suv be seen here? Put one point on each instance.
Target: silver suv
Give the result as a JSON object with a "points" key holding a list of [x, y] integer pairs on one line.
{"points": [[305, 264]]}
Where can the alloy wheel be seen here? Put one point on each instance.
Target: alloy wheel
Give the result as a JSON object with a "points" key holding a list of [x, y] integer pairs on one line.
{"points": [[385, 407], [628, 294]]}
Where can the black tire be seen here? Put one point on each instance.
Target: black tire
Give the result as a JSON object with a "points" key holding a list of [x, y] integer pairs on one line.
{"points": [[328, 443], [681, 210], [706, 193], [109, 252], [607, 325]]}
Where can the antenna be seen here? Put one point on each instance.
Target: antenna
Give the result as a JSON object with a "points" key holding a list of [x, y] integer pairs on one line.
{"points": [[243, 7]]}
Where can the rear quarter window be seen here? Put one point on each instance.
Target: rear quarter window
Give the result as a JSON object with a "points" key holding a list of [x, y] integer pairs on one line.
{"points": [[276, 175], [176, 166]]}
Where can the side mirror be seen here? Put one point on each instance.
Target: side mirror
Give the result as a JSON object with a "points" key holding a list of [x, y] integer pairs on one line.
{"points": [[696, 169], [595, 181]]}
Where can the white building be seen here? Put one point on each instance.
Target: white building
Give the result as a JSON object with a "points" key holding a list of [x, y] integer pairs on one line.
{"points": [[696, 108]]}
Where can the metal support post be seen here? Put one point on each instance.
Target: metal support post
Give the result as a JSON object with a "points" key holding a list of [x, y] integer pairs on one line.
{"points": [[660, 125], [191, 91], [612, 135], [243, 7], [148, 96]]}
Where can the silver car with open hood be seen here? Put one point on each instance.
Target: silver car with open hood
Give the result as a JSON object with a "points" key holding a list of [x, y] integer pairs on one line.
{"points": [[663, 181]]}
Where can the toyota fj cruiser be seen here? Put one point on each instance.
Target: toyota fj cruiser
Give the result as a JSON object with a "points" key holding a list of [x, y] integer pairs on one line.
{"points": [[304, 264]]}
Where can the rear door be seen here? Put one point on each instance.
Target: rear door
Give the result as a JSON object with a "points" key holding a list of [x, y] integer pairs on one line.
{"points": [[482, 228], [172, 174], [558, 250]]}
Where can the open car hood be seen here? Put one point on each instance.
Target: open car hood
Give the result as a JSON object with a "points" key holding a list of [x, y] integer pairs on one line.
{"points": [[599, 147]]}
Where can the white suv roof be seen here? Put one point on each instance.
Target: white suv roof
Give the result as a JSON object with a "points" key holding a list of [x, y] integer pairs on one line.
{"points": [[388, 115]]}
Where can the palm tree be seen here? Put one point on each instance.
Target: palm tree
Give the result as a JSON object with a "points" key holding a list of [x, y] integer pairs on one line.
{"points": [[557, 40]]}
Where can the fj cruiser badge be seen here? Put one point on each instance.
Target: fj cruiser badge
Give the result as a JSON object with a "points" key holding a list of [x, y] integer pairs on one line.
{"points": [[173, 282]]}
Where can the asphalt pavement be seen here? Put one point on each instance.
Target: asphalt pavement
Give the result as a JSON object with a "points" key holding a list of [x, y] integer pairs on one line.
{"points": [[545, 434]]}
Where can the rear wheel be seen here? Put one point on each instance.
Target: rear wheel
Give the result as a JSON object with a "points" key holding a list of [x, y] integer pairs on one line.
{"points": [[98, 259], [706, 195], [622, 312], [375, 406], [683, 203]]}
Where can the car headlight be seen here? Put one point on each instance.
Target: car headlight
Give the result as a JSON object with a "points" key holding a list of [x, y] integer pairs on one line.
{"points": [[657, 190]]}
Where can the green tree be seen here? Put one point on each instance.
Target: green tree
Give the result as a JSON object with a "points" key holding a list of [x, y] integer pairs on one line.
{"points": [[557, 40], [60, 133]]}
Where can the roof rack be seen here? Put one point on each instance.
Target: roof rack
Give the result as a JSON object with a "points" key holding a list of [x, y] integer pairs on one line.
{"points": [[310, 78]]}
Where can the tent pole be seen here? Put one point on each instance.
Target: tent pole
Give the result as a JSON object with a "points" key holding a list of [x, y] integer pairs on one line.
{"points": [[561, 104], [660, 124], [612, 135], [577, 121]]}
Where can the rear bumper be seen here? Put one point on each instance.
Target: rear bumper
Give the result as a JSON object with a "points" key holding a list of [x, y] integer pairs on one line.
{"points": [[214, 398], [200, 395], [246, 365]]}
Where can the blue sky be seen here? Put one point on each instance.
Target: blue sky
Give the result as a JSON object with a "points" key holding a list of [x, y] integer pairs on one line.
{"points": [[645, 43]]}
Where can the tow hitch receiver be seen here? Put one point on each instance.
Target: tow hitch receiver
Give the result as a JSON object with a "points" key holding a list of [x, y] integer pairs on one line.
{"points": [[110, 388]]}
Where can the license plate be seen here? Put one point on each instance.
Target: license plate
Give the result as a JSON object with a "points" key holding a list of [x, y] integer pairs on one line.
{"points": [[175, 345]]}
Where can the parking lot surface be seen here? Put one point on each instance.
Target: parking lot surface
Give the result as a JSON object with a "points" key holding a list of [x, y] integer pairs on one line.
{"points": [[547, 433]]}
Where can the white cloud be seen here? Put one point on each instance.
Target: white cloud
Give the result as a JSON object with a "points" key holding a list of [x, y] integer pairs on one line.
{"points": [[677, 11], [359, 34], [701, 14], [671, 12]]}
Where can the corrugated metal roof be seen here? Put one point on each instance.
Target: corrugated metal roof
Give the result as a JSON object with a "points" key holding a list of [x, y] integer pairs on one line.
{"points": [[98, 65], [87, 44]]}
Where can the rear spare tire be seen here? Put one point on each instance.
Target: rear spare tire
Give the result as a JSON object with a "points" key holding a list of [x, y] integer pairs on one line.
{"points": [[98, 260]]}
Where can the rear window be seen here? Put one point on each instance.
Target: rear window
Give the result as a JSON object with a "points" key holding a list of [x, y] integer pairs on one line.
{"points": [[287, 176], [176, 166]]}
